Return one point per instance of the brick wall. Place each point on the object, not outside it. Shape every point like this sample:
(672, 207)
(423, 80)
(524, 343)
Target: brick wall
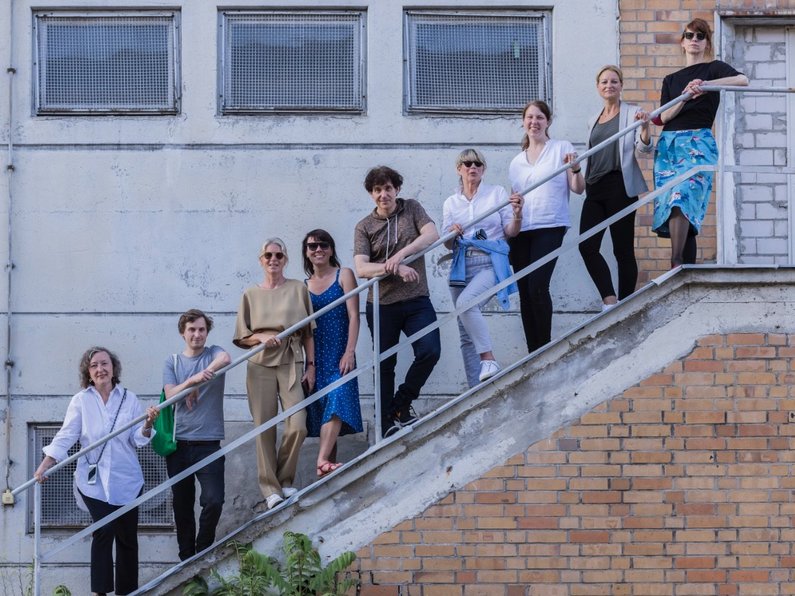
(648, 36)
(682, 485)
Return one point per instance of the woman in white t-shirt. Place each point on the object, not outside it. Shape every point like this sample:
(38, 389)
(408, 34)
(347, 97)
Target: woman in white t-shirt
(545, 216)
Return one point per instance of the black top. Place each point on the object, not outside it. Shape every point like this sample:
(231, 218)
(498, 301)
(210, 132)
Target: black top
(699, 112)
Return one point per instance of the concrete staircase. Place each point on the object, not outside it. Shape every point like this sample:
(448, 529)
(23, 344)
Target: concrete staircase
(526, 403)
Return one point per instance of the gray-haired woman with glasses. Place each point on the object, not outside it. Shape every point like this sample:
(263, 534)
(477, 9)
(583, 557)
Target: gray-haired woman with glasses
(480, 256)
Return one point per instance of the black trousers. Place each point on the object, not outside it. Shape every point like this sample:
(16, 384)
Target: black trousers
(604, 198)
(211, 499)
(534, 298)
(124, 530)
(408, 316)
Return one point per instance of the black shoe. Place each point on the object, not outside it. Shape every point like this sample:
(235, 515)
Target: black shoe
(405, 416)
(392, 430)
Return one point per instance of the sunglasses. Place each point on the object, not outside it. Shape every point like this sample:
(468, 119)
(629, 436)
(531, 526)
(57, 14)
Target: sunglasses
(469, 164)
(316, 245)
(269, 255)
(698, 35)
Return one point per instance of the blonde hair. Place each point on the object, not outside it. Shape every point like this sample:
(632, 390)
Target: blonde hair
(278, 242)
(612, 68)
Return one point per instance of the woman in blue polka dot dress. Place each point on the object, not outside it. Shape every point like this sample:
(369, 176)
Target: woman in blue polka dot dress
(337, 413)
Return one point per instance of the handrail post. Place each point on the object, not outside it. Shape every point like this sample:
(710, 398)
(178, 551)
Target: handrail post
(377, 359)
(37, 539)
(720, 204)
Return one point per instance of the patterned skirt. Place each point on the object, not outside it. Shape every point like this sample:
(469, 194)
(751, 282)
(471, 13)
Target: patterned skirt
(677, 152)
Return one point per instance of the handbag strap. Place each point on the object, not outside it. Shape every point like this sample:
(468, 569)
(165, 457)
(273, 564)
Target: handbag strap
(115, 418)
(174, 407)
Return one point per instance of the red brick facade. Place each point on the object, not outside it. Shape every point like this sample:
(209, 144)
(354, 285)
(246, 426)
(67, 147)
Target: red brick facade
(682, 485)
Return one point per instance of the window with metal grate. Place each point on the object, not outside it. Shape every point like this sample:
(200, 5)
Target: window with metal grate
(59, 509)
(106, 63)
(476, 62)
(292, 61)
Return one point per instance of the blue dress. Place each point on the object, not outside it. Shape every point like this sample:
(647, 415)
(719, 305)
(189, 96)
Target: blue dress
(331, 337)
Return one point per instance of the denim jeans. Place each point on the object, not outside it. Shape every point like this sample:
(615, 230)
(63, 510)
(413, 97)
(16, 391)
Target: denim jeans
(211, 480)
(408, 316)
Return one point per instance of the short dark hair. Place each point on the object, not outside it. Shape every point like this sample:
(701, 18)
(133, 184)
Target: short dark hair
(323, 236)
(85, 360)
(191, 315)
(380, 175)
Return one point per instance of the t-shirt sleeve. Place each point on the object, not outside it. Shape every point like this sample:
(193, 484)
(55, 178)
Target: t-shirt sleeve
(169, 374)
(215, 351)
(242, 322)
(361, 244)
(421, 217)
(719, 70)
(665, 94)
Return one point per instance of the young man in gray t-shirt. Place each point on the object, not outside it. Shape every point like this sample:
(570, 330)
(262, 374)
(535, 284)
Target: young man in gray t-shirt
(199, 421)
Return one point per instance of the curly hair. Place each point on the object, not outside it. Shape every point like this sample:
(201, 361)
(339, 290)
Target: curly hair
(85, 361)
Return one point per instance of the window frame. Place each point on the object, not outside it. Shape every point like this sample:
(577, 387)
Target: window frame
(224, 59)
(545, 59)
(175, 58)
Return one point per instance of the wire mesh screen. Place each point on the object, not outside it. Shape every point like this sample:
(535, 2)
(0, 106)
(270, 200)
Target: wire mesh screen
(59, 509)
(293, 61)
(478, 63)
(106, 63)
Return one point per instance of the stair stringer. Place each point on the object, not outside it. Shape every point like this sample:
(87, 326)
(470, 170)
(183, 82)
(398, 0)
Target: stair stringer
(472, 434)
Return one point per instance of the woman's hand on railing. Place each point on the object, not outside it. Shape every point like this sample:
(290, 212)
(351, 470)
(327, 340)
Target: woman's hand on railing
(270, 340)
(47, 463)
(151, 415)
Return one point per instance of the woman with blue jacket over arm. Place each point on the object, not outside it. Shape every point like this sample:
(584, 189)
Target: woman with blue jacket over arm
(613, 181)
(480, 257)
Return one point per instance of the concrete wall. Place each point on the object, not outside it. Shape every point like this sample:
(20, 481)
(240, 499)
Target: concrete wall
(121, 223)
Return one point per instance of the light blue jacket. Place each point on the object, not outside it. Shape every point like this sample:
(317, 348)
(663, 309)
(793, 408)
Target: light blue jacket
(498, 251)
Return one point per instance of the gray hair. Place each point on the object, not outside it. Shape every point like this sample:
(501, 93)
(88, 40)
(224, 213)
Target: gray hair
(278, 242)
(470, 155)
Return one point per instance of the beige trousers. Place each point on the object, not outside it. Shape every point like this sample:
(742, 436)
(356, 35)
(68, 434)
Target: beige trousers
(264, 384)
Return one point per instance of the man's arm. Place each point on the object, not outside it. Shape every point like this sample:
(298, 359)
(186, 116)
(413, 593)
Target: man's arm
(220, 361)
(428, 235)
(368, 270)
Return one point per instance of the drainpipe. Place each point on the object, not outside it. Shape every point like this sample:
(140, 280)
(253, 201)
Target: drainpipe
(11, 71)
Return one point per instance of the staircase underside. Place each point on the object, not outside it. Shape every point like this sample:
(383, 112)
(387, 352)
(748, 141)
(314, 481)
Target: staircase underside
(480, 430)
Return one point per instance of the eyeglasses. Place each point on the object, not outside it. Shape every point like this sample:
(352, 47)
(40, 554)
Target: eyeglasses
(700, 36)
(469, 164)
(316, 245)
(269, 255)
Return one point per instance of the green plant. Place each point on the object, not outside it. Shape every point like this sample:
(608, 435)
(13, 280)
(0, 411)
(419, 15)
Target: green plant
(302, 574)
(61, 590)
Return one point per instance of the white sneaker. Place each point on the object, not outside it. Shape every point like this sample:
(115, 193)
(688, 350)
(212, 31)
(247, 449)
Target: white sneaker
(273, 500)
(488, 368)
(289, 491)
(606, 307)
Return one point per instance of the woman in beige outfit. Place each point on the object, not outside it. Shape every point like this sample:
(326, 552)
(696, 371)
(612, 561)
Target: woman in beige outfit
(266, 310)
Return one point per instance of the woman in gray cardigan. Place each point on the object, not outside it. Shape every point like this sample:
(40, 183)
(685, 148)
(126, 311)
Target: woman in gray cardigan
(613, 180)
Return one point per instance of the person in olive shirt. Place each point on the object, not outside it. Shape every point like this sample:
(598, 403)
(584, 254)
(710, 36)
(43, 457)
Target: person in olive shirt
(397, 228)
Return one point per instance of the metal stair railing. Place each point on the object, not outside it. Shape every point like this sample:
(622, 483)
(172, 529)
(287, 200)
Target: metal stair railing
(40, 558)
